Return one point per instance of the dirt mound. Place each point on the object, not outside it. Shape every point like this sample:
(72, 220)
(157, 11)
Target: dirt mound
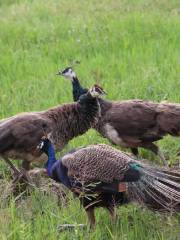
(39, 182)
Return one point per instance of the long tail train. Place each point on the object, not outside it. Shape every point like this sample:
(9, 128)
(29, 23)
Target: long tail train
(158, 188)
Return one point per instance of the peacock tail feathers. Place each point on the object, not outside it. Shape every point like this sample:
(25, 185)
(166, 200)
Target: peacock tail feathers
(157, 188)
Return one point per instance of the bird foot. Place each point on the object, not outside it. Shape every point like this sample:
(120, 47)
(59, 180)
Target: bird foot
(20, 182)
(21, 176)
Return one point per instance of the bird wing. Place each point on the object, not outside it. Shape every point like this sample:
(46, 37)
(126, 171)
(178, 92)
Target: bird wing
(97, 163)
(133, 118)
(22, 132)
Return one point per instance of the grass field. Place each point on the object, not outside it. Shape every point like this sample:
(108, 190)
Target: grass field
(130, 47)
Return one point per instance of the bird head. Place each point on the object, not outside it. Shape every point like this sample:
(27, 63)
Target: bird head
(67, 73)
(96, 91)
(44, 145)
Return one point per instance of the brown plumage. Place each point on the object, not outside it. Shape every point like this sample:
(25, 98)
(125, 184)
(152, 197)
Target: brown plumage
(138, 123)
(109, 177)
(102, 176)
(100, 162)
(133, 123)
(20, 134)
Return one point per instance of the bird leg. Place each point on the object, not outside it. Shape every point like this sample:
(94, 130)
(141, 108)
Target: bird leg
(17, 173)
(15, 170)
(91, 217)
(155, 149)
(112, 212)
(26, 165)
(162, 157)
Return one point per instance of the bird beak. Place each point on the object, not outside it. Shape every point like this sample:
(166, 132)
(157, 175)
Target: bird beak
(59, 73)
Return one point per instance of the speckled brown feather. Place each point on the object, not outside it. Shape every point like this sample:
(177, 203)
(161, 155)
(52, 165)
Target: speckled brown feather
(156, 187)
(97, 163)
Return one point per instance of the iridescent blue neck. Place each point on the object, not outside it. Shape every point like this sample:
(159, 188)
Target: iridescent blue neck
(78, 90)
(51, 159)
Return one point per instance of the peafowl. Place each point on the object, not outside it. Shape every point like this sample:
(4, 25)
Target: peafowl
(133, 123)
(102, 176)
(78, 90)
(20, 134)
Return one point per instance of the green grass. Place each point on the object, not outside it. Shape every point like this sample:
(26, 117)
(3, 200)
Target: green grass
(131, 48)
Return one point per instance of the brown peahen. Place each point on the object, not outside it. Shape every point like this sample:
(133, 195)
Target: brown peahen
(132, 123)
(20, 134)
(102, 176)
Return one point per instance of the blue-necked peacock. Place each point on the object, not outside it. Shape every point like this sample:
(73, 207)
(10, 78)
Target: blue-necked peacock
(102, 176)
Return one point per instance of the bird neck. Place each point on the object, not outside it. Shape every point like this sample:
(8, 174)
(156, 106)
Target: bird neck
(89, 103)
(51, 159)
(72, 120)
(76, 83)
(78, 90)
